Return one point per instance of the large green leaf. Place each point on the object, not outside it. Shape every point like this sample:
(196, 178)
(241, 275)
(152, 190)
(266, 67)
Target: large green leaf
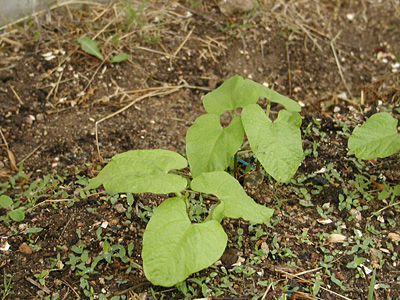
(90, 46)
(238, 92)
(174, 248)
(142, 171)
(277, 145)
(232, 93)
(286, 102)
(376, 138)
(209, 147)
(236, 203)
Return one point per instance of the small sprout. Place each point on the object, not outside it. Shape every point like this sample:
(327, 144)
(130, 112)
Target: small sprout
(90, 47)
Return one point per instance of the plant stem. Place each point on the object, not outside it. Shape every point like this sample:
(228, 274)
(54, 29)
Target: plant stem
(235, 163)
(268, 109)
(258, 166)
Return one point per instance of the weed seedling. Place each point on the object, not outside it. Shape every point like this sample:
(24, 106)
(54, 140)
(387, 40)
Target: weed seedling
(7, 285)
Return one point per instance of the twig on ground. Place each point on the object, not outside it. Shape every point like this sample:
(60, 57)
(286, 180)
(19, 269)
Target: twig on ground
(347, 100)
(57, 85)
(266, 292)
(104, 28)
(386, 207)
(10, 155)
(332, 43)
(82, 93)
(155, 51)
(38, 285)
(72, 289)
(11, 42)
(30, 154)
(336, 294)
(16, 95)
(183, 42)
(217, 42)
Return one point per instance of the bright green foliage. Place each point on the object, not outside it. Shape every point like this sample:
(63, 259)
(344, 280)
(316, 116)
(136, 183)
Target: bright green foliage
(142, 171)
(372, 286)
(174, 248)
(237, 92)
(90, 46)
(277, 145)
(210, 147)
(5, 201)
(15, 214)
(376, 138)
(233, 93)
(119, 58)
(237, 204)
(286, 102)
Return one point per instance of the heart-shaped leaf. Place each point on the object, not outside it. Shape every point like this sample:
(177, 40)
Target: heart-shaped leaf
(209, 147)
(237, 92)
(286, 102)
(142, 171)
(90, 47)
(233, 93)
(237, 204)
(276, 145)
(174, 248)
(376, 138)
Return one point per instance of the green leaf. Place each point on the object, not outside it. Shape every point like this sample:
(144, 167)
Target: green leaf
(286, 102)
(233, 93)
(142, 171)
(371, 286)
(17, 214)
(174, 248)
(277, 145)
(5, 201)
(119, 58)
(90, 46)
(376, 138)
(237, 204)
(217, 212)
(238, 92)
(209, 147)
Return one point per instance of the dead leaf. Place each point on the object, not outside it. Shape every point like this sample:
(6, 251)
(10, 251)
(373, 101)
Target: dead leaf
(24, 248)
(393, 236)
(11, 159)
(4, 173)
(377, 185)
(324, 221)
(337, 238)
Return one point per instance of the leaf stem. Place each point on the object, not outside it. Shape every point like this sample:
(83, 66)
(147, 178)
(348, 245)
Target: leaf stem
(235, 163)
(268, 108)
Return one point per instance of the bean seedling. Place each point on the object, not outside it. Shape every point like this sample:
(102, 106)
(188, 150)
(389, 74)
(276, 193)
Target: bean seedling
(173, 247)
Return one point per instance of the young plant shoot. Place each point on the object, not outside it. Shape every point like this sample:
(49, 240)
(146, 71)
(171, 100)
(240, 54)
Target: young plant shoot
(173, 246)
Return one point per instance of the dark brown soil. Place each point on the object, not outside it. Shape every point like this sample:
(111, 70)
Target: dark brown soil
(337, 58)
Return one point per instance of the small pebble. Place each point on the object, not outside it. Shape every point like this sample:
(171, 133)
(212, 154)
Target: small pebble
(119, 208)
(24, 248)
